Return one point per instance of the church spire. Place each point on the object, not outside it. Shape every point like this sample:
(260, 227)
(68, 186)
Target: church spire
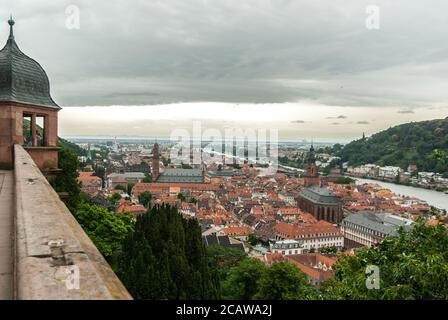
(11, 23)
(311, 155)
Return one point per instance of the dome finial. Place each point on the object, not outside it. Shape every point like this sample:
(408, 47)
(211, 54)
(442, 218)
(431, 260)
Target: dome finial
(11, 23)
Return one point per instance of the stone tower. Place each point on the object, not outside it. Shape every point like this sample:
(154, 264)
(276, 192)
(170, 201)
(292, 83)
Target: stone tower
(311, 177)
(25, 103)
(155, 162)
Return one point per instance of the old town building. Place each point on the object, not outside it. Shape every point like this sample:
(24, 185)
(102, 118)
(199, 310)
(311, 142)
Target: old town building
(90, 184)
(155, 162)
(322, 203)
(369, 228)
(311, 176)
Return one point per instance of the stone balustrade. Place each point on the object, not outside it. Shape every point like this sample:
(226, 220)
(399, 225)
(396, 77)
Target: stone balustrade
(54, 258)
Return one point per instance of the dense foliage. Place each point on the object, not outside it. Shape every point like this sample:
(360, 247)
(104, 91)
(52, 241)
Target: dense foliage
(410, 143)
(165, 258)
(244, 278)
(67, 180)
(224, 258)
(344, 180)
(145, 198)
(71, 146)
(242, 281)
(106, 230)
(252, 279)
(413, 265)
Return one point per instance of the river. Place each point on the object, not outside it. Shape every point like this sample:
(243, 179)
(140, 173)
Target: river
(434, 198)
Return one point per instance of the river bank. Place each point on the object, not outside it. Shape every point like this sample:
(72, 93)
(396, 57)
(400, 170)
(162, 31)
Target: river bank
(434, 198)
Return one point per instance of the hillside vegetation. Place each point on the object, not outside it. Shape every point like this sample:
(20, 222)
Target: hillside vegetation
(61, 142)
(410, 143)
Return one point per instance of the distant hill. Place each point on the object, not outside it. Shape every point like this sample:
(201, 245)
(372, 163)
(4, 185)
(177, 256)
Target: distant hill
(402, 145)
(61, 142)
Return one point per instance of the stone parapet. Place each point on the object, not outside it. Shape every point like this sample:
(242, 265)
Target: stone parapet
(54, 258)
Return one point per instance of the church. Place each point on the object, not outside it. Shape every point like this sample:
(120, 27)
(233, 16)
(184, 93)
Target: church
(173, 175)
(320, 202)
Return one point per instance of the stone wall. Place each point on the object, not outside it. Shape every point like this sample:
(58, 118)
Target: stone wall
(54, 258)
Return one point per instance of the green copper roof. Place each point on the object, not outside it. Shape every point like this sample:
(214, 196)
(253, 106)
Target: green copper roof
(22, 79)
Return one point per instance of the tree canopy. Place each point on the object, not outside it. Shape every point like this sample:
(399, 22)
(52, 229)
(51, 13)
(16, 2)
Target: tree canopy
(165, 258)
(106, 230)
(67, 181)
(145, 198)
(413, 265)
(410, 143)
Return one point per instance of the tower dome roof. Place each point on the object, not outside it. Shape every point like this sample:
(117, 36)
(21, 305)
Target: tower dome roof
(22, 79)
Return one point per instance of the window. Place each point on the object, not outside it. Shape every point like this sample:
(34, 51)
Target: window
(26, 126)
(33, 130)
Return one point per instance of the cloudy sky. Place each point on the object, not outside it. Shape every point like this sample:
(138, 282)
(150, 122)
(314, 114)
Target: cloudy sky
(305, 67)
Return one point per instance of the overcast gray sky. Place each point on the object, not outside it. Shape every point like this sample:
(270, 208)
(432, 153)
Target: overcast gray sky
(290, 53)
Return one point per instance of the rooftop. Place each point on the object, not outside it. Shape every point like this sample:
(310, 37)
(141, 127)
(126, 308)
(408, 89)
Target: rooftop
(319, 195)
(127, 175)
(181, 175)
(384, 223)
(22, 79)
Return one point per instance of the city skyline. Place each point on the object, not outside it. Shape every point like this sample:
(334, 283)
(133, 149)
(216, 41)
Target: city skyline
(323, 123)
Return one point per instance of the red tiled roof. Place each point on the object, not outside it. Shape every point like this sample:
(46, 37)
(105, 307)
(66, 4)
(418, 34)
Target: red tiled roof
(238, 231)
(159, 187)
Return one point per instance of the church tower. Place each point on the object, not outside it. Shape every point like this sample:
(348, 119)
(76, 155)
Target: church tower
(311, 177)
(155, 162)
(28, 114)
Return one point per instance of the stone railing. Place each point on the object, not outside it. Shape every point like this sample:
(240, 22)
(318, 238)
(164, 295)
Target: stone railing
(54, 258)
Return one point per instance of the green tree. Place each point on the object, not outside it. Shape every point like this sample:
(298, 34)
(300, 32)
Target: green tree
(165, 258)
(106, 230)
(67, 180)
(331, 251)
(284, 281)
(439, 156)
(129, 188)
(145, 198)
(344, 180)
(113, 199)
(242, 280)
(121, 187)
(100, 172)
(147, 178)
(413, 265)
(253, 239)
(421, 143)
(186, 166)
(224, 258)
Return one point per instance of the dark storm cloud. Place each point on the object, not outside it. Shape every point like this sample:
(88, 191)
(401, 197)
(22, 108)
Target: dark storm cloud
(251, 51)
